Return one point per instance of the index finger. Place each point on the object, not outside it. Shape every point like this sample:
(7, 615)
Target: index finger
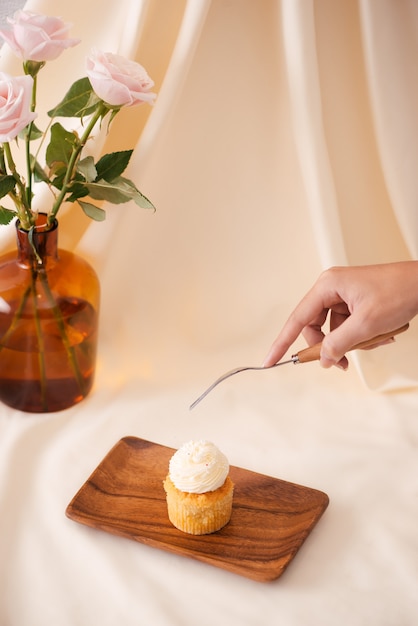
(311, 311)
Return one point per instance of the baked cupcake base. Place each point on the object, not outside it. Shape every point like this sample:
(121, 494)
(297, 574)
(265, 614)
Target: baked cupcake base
(199, 513)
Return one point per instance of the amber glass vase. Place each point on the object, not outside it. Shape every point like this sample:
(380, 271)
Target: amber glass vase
(49, 307)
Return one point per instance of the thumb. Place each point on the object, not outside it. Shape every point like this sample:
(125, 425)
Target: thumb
(340, 340)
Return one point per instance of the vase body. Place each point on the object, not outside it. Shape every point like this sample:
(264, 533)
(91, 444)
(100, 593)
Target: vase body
(49, 309)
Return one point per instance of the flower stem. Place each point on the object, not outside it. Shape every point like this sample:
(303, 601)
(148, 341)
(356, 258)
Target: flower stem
(41, 343)
(23, 209)
(16, 319)
(27, 142)
(101, 111)
(72, 358)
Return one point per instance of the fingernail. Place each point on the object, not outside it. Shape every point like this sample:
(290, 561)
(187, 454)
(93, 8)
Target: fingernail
(344, 368)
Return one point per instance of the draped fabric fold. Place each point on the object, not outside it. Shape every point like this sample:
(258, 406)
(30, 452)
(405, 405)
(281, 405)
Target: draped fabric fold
(173, 65)
(352, 98)
(299, 36)
(353, 94)
(348, 97)
(390, 35)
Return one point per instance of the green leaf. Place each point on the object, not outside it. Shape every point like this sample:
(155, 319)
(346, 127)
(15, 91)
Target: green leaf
(136, 195)
(87, 168)
(60, 146)
(78, 190)
(103, 190)
(119, 191)
(143, 202)
(110, 166)
(31, 233)
(38, 171)
(6, 215)
(7, 184)
(93, 211)
(57, 175)
(80, 100)
(34, 133)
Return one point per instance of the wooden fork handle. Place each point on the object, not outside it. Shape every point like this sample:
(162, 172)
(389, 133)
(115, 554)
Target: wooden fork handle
(313, 352)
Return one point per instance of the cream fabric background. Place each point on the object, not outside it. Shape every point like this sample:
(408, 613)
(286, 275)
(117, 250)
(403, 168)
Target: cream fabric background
(283, 140)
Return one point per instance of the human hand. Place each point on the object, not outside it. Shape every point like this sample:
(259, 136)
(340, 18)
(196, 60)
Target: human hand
(361, 302)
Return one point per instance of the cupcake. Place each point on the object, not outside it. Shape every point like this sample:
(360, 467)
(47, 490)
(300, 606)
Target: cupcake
(198, 488)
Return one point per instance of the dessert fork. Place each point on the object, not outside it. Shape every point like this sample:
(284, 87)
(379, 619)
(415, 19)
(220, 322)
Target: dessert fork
(303, 356)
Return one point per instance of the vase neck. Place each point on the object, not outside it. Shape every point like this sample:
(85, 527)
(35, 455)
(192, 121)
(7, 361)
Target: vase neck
(40, 247)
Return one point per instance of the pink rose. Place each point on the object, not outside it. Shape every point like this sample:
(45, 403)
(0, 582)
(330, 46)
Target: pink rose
(119, 81)
(36, 37)
(15, 103)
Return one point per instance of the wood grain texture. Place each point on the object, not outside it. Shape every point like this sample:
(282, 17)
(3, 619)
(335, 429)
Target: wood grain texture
(270, 519)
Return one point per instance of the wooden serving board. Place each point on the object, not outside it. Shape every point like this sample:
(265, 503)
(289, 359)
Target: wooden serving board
(270, 519)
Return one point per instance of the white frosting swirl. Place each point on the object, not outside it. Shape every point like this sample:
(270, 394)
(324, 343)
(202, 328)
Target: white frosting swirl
(198, 467)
